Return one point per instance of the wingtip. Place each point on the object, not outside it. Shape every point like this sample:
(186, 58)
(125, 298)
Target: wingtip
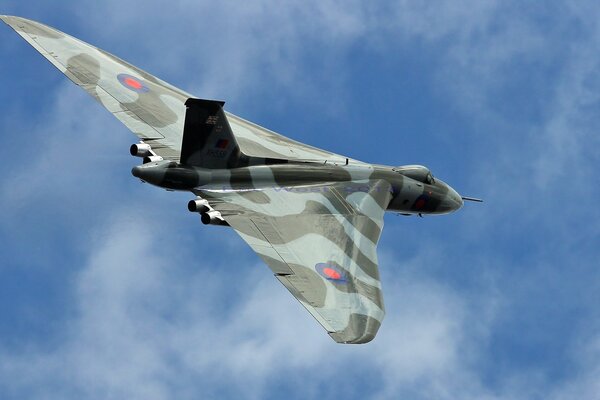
(361, 329)
(344, 339)
(7, 18)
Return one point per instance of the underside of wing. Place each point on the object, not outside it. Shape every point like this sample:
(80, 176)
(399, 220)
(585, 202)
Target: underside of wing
(150, 108)
(320, 242)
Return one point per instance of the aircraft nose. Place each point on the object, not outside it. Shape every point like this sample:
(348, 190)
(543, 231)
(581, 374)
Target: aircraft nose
(452, 201)
(455, 199)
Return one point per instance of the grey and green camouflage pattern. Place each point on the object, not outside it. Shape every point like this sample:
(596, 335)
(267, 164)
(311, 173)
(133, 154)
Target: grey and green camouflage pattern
(313, 216)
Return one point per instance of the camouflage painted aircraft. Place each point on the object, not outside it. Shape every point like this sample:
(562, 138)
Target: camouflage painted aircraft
(313, 216)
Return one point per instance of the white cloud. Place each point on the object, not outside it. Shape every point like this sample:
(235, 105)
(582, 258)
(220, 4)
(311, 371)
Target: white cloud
(570, 139)
(586, 385)
(147, 324)
(275, 52)
(71, 145)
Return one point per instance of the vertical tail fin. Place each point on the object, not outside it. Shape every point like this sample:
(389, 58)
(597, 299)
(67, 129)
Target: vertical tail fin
(208, 140)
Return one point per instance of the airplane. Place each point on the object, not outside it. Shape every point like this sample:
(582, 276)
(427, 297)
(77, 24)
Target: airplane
(314, 217)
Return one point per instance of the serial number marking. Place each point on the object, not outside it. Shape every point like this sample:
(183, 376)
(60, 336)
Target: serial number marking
(216, 153)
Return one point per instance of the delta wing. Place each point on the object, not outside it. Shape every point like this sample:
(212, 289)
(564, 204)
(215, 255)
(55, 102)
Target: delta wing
(151, 108)
(320, 241)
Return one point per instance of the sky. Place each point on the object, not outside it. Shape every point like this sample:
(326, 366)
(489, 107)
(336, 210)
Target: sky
(111, 289)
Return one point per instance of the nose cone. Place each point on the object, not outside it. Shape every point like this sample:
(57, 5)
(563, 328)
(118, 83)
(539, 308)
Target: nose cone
(452, 201)
(455, 199)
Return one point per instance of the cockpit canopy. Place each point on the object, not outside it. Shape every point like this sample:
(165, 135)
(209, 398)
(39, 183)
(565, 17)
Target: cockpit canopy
(416, 172)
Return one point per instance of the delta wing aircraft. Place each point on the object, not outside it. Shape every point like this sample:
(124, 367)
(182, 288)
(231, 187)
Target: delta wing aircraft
(313, 216)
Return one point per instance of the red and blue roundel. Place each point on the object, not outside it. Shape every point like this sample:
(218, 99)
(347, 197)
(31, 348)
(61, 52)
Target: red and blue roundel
(132, 83)
(332, 273)
(421, 202)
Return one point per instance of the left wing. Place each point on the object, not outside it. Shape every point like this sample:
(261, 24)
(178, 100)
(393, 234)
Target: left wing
(320, 241)
(151, 108)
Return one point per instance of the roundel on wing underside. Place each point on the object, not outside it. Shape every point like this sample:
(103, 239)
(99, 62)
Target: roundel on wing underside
(331, 272)
(132, 83)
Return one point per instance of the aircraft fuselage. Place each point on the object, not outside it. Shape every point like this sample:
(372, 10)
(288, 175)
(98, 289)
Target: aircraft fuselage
(410, 195)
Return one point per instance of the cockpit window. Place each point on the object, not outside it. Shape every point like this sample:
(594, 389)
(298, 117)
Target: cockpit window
(429, 179)
(416, 172)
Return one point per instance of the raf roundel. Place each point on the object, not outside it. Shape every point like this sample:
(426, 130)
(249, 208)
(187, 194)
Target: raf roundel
(421, 202)
(132, 83)
(332, 273)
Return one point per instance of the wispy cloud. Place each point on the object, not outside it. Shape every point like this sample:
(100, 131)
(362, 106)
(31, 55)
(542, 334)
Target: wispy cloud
(142, 331)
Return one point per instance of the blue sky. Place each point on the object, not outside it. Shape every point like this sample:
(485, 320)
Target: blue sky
(110, 288)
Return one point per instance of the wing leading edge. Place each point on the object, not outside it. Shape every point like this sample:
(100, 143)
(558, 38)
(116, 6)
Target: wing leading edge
(320, 242)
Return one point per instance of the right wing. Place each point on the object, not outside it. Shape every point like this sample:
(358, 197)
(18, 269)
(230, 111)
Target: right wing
(151, 108)
(321, 243)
